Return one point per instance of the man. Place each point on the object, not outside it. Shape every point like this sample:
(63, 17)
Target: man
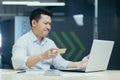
(34, 50)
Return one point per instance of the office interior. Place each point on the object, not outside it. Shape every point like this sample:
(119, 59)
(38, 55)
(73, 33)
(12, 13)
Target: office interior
(66, 32)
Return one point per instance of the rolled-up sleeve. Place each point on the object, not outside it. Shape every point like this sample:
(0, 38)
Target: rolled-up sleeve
(19, 56)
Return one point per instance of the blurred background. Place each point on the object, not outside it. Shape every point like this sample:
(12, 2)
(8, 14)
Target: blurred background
(75, 24)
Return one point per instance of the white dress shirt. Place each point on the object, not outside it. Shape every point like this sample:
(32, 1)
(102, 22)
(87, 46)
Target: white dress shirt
(28, 45)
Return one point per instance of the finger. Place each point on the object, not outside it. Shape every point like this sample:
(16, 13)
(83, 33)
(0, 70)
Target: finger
(48, 54)
(51, 55)
(53, 49)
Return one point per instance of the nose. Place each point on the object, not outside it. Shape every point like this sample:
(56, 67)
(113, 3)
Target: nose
(48, 26)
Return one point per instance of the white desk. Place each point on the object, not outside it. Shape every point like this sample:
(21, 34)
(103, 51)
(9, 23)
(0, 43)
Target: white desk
(6, 74)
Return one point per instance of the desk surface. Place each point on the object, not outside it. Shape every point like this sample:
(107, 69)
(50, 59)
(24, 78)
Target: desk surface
(6, 74)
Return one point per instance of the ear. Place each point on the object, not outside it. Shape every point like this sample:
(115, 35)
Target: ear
(33, 22)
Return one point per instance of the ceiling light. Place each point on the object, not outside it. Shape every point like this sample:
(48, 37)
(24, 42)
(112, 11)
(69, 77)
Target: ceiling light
(47, 4)
(33, 3)
(19, 2)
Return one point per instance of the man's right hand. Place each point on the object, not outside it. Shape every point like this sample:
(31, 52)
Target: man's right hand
(51, 53)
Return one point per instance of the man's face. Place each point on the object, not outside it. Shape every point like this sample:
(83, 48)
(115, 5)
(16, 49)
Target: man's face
(43, 26)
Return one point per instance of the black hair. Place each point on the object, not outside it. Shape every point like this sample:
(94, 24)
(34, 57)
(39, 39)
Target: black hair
(36, 14)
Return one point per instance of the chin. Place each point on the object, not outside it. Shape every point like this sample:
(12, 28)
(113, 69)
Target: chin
(45, 35)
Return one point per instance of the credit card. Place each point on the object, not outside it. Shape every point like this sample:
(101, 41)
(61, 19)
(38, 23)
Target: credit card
(61, 51)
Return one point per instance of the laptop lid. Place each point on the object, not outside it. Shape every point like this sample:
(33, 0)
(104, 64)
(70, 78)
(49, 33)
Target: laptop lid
(99, 55)
(98, 58)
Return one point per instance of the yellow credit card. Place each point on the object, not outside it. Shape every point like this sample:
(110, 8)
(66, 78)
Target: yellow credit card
(61, 51)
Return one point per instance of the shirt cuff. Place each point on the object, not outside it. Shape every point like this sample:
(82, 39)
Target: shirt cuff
(25, 61)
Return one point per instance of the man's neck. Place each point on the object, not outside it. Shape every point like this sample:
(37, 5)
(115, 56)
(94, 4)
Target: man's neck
(38, 36)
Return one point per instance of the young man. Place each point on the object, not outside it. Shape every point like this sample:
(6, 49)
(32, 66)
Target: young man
(34, 50)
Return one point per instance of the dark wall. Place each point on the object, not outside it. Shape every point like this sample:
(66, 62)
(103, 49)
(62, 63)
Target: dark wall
(108, 28)
(85, 7)
(114, 62)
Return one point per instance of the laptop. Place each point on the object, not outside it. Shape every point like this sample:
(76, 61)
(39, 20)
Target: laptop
(98, 58)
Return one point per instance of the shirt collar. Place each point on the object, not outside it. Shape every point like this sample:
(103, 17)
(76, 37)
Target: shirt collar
(34, 38)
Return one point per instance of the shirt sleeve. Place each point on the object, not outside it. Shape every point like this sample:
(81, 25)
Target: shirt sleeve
(19, 56)
(60, 62)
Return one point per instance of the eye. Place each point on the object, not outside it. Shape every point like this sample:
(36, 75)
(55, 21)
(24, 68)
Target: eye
(47, 24)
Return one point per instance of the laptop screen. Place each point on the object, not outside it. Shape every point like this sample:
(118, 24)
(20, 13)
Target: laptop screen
(99, 55)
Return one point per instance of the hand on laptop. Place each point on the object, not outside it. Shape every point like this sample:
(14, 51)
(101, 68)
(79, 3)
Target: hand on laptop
(82, 64)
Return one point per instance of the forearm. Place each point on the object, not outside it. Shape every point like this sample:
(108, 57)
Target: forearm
(73, 64)
(32, 60)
